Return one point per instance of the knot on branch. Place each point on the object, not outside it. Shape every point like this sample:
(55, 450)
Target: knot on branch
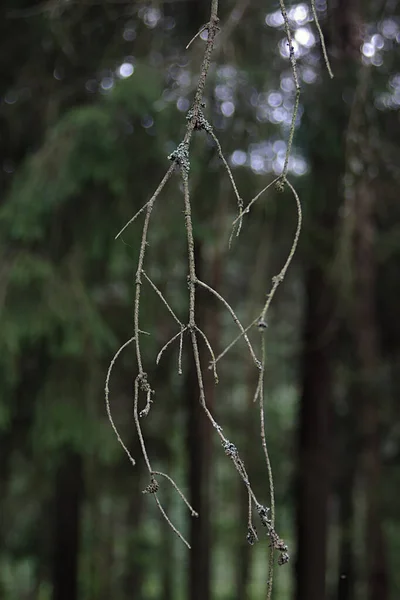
(152, 488)
(263, 513)
(276, 542)
(196, 116)
(230, 449)
(262, 324)
(280, 185)
(251, 536)
(283, 558)
(277, 279)
(181, 157)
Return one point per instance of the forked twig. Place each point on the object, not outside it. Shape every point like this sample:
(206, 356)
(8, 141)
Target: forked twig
(151, 201)
(235, 318)
(211, 351)
(159, 355)
(192, 511)
(163, 299)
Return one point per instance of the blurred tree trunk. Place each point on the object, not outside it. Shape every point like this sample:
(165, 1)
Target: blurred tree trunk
(167, 547)
(67, 507)
(328, 163)
(346, 488)
(314, 451)
(369, 407)
(200, 434)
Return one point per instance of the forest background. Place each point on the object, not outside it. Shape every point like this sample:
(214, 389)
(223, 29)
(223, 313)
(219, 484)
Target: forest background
(93, 99)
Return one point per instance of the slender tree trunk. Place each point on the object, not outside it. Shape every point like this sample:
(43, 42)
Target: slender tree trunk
(321, 314)
(346, 489)
(200, 432)
(167, 550)
(314, 451)
(368, 355)
(67, 506)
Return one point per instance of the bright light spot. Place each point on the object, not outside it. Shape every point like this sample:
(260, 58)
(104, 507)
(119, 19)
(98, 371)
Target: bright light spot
(274, 19)
(263, 113)
(299, 14)
(182, 104)
(377, 60)
(274, 99)
(238, 158)
(287, 84)
(125, 70)
(279, 146)
(378, 41)
(107, 83)
(368, 50)
(278, 115)
(309, 75)
(389, 28)
(227, 71)
(277, 164)
(227, 109)
(304, 37)
(297, 165)
(204, 35)
(183, 78)
(256, 162)
(152, 17)
(223, 92)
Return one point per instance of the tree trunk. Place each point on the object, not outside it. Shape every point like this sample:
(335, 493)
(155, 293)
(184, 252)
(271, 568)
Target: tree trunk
(200, 432)
(314, 442)
(368, 357)
(346, 488)
(67, 507)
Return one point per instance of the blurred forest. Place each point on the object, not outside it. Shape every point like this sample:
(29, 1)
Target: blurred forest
(93, 98)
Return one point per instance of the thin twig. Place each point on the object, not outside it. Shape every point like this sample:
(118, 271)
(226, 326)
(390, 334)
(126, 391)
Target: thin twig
(276, 280)
(166, 517)
(159, 293)
(151, 201)
(137, 423)
(256, 197)
(196, 35)
(322, 39)
(180, 350)
(211, 351)
(168, 343)
(107, 399)
(233, 182)
(268, 462)
(235, 318)
(192, 511)
(292, 58)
